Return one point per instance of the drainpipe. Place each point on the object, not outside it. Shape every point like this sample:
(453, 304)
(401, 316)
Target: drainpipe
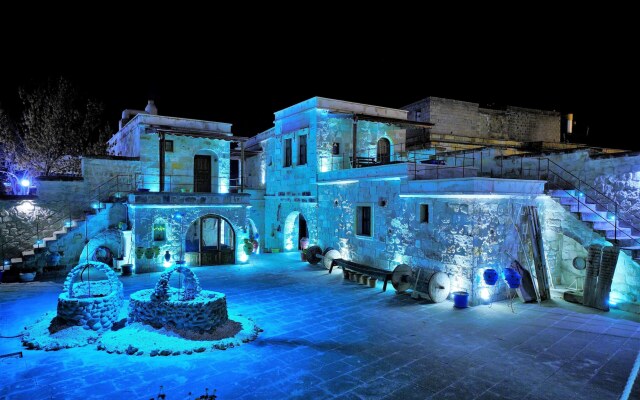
(162, 151)
(355, 138)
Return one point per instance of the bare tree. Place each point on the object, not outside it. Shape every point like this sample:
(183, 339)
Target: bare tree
(57, 126)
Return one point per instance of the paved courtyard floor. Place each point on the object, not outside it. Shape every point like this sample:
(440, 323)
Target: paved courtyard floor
(328, 338)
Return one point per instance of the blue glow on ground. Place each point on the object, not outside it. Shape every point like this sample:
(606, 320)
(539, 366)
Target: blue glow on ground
(318, 343)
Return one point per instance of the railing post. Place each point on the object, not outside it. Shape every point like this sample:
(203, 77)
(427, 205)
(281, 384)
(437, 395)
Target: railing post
(521, 170)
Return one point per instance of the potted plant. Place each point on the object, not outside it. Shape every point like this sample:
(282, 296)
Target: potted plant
(248, 246)
(27, 274)
(127, 269)
(140, 252)
(149, 253)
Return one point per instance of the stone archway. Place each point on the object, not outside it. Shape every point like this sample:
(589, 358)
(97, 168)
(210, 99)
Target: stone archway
(295, 227)
(111, 239)
(211, 239)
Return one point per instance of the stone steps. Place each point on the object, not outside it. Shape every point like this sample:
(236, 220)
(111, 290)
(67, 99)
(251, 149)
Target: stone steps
(601, 221)
(40, 247)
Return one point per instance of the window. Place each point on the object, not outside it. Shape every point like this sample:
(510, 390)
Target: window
(168, 146)
(335, 149)
(424, 213)
(363, 221)
(159, 232)
(287, 152)
(302, 150)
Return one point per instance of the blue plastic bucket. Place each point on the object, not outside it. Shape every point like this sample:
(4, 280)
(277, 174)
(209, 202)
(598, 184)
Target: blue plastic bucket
(460, 299)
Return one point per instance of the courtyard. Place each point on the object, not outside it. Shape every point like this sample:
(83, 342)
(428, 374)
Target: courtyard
(325, 337)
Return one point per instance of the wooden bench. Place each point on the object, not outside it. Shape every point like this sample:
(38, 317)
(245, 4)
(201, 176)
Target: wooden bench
(380, 274)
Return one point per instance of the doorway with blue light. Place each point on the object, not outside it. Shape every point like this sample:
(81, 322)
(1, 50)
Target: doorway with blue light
(211, 240)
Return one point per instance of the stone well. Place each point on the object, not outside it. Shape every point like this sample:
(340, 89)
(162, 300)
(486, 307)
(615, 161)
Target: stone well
(91, 304)
(188, 307)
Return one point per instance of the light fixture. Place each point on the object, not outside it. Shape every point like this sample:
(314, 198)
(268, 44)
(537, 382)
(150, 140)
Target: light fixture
(25, 183)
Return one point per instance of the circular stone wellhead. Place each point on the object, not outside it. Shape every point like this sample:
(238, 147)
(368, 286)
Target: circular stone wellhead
(188, 307)
(91, 304)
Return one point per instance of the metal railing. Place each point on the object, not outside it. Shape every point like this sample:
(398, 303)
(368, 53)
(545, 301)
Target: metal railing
(425, 163)
(182, 183)
(588, 198)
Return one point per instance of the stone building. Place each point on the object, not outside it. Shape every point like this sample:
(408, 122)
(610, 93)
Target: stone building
(435, 186)
(165, 190)
(440, 185)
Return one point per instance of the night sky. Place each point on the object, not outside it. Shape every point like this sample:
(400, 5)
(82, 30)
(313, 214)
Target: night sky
(244, 83)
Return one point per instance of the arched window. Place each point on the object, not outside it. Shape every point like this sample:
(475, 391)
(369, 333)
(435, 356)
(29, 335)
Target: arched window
(383, 153)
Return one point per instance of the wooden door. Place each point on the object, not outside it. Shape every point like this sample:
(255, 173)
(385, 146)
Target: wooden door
(383, 153)
(202, 174)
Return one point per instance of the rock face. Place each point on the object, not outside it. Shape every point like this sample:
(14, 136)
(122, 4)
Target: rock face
(188, 307)
(92, 304)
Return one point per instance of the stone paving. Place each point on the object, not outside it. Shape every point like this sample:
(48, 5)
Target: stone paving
(328, 338)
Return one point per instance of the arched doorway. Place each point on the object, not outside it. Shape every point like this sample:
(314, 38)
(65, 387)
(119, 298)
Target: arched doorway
(205, 172)
(383, 151)
(295, 228)
(211, 240)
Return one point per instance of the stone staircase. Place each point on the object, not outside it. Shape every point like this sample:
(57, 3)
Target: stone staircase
(71, 233)
(55, 233)
(602, 221)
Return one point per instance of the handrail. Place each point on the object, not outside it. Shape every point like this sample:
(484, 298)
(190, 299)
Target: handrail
(579, 180)
(588, 198)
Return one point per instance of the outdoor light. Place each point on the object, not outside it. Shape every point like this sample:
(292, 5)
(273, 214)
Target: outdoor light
(25, 183)
(484, 294)
(167, 259)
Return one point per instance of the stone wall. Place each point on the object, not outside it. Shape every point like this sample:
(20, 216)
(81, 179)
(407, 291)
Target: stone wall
(179, 163)
(126, 142)
(105, 176)
(255, 171)
(18, 225)
(463, 235)
(279, 233)
(144, 216)
(340, 130)
(565, 237)
(257, 213)
(469, 119)
(617, 177)
(59, 204)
